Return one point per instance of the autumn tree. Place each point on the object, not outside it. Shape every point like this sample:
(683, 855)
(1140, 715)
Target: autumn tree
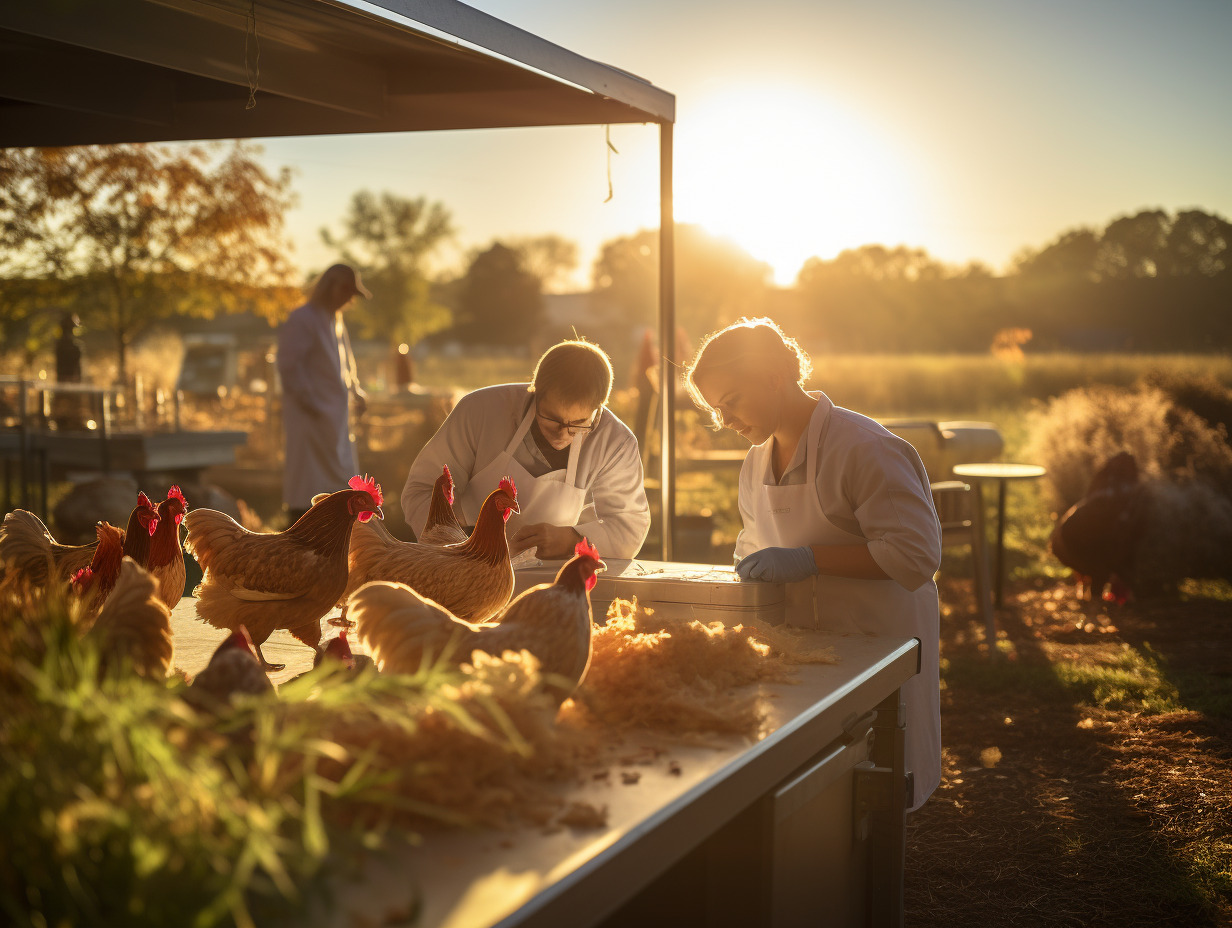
(716, 281)
(130, 234)
(551, 258)
(390, 240)
(500, 302)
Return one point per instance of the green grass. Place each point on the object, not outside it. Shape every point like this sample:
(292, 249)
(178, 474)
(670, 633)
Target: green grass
(1133, 681)
(123, 805)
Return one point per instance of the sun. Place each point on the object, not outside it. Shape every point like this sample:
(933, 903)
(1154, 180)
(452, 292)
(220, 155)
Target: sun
(789, 175)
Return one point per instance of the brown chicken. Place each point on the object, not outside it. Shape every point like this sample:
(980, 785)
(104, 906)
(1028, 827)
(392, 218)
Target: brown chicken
(1098, 536)
(472, 579)
(552, 621)
(284, 580)
(166, 561)
(134, 624)
(233, 670)
(93, 584)
(442, 526)
(30, 558)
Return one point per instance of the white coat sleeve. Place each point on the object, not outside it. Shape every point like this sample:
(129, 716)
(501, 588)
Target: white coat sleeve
(888, 490)
(454, 444)
(744, 540)
(622, 514)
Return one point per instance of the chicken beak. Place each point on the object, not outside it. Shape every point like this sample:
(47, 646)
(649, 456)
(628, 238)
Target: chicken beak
(600, 566)
(380, 515)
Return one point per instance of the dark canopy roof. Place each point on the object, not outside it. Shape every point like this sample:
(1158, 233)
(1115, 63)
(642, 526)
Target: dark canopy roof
(103, 71)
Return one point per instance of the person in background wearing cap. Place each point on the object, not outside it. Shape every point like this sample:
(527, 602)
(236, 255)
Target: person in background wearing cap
(319, 382)
(70, 410)
(68, 350)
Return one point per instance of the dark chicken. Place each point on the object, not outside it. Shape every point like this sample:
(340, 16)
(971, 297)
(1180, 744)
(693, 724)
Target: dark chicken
(233, 670)
(166, 561)
(284, 580)
(1098, 536)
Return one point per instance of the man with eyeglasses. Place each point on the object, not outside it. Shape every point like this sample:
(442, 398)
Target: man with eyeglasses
(576, 465)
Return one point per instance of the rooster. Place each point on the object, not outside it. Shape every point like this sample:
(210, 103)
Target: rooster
(1098, 536)
(472, 579)
(234, 669)
(442, 527)
(284, 580)
(166, 560)
(134, 623)
(552, 621)
(31, 559)
(93, 583)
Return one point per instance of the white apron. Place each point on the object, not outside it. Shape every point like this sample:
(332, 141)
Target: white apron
(554, 498)
(791, 516)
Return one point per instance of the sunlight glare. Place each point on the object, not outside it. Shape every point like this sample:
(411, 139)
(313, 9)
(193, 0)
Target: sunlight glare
(788, 175)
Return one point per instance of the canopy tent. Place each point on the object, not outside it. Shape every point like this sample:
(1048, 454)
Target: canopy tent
(76, 72)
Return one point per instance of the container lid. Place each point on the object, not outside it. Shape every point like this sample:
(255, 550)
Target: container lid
(666, 582)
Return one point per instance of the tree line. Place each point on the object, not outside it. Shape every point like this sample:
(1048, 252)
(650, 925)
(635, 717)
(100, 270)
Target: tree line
(129, 235)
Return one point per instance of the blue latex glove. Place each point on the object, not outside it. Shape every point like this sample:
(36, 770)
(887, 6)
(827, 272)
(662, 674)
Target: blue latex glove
(778, 565)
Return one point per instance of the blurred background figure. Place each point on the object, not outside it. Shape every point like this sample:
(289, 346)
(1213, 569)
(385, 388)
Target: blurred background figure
(69, 410)
(319, 385)
(404, 368)
(68, 350)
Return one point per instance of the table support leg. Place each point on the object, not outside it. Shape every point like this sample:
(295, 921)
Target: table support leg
(1000, 541)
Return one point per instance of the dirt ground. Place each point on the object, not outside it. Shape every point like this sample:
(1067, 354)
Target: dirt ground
(1055, 811)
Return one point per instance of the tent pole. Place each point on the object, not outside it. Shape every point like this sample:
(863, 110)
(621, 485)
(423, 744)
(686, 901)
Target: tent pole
(668, 365)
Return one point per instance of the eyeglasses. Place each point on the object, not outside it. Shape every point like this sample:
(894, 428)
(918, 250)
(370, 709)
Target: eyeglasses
(569, 427)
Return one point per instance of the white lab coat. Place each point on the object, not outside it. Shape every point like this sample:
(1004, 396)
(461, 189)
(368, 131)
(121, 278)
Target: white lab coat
(317, 370)
(861, 485)
(606, 466)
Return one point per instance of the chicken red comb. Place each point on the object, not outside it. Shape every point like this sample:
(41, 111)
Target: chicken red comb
(507, 485)
(80, 578)
(585, 549)
(368, 485)
(448, 484)
(144, 501)
(176, 493)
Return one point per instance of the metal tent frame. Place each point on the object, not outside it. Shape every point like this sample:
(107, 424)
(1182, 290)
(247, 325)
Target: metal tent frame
(76, 72)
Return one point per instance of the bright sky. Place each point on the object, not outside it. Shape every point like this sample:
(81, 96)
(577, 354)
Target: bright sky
(967, 127)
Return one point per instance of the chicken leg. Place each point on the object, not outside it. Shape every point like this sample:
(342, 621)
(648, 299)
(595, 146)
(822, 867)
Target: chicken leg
(266, 665)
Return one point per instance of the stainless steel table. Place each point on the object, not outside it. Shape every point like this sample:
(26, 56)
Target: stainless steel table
(804, 825)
